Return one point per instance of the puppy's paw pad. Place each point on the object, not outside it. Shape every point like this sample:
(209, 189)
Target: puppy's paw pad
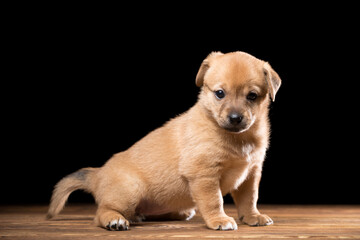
(257, 220)
(222, 223)
(118, 225)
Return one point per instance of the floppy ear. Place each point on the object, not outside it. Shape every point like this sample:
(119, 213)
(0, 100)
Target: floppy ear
(205, 65)
(201, 73)
(273, 80)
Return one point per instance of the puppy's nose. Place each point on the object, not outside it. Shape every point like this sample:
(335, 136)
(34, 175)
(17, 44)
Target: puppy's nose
(235, 118)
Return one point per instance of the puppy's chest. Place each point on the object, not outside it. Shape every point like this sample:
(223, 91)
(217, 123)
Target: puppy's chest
(244, 152)
(233, 177)
(237, 167)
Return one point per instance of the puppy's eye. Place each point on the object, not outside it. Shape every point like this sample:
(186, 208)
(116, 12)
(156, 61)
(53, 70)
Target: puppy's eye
(251, 96)
(220, 94)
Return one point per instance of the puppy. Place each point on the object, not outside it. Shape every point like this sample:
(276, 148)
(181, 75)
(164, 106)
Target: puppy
(216, 147)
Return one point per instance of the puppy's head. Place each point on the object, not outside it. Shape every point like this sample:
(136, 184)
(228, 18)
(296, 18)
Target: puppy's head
(236, 88)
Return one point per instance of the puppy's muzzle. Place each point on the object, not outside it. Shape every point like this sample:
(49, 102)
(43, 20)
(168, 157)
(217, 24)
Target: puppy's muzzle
(234, 122)
(235, 119)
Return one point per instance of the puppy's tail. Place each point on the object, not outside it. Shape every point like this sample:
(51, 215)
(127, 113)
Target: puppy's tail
(75, 181)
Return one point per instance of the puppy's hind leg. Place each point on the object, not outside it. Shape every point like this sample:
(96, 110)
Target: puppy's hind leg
(118, 203)
(114, 214)
(111, 219)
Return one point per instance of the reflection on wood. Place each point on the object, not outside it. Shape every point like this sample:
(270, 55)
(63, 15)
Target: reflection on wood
(75, 222)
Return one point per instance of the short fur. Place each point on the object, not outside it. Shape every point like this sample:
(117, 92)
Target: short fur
(195, 158)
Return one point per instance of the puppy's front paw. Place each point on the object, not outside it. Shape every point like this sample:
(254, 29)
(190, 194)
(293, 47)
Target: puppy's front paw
(222, 223)
(257, 220)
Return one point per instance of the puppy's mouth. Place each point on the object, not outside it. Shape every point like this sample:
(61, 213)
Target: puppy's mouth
(242, 127)
(233, 129)
(236, 129)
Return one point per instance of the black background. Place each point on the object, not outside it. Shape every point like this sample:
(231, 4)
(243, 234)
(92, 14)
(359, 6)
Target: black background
(79, 88)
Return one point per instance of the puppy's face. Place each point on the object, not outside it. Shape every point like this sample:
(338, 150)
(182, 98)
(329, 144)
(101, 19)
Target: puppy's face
(236, 88)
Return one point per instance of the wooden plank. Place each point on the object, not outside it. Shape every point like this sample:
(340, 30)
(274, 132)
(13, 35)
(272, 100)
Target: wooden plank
(75, 222)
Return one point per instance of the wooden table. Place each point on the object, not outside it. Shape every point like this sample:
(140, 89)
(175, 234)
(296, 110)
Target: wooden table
(291, 222)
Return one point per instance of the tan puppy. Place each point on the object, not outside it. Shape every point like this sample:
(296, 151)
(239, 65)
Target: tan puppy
(216, 147)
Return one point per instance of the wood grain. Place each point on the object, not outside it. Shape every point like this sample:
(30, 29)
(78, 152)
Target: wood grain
(75, 222)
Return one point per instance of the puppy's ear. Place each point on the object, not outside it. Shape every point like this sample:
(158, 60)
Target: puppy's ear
(205, 65)
(273, 80)
(201, 73)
